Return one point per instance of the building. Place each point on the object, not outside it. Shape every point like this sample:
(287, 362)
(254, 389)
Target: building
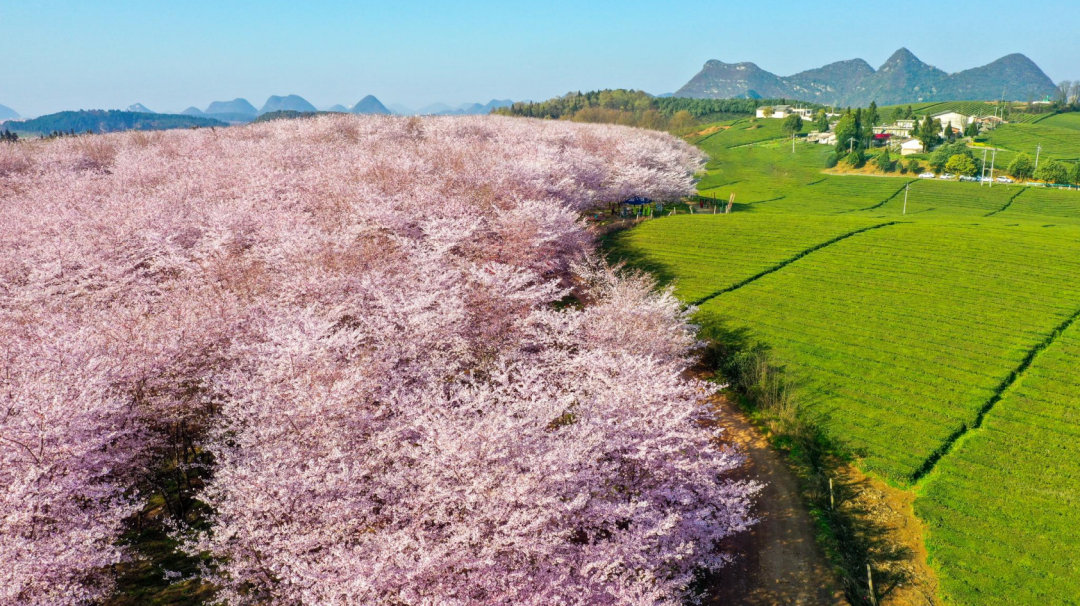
(912, 146)
(826, 138)
(779, 111)
(954, 120)
(902, 129)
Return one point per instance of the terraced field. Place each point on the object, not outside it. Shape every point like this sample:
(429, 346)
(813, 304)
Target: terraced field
(1058, 143)
(1070, 121)
(752, 244)
(1002, 507)
(936, 343)
(1044, 204)
(900, 335)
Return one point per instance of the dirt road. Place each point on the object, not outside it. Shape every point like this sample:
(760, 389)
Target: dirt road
(779, 561)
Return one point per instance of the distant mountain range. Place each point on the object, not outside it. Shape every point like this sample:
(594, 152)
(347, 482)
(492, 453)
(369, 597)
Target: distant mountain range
(139, 108)
(6, 113)
(903, 78)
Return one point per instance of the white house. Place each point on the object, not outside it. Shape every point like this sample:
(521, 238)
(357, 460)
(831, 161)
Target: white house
(826, 138)
(902, 128)
(779, 111)
(952, 119)
(913, 146)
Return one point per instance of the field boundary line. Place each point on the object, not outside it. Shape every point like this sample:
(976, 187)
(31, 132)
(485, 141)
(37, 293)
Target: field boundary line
(886, 200)
(1006, 384)
(763, 201)
(1009, 203)
(787, 262)
(756, 142)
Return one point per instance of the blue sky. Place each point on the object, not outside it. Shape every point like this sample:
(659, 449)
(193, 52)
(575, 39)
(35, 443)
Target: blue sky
(77, 54)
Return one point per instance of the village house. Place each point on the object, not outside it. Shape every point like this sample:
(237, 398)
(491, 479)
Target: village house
(914, 146)
(902, 129)
(779, 111)
(826, 138)
(955, 120)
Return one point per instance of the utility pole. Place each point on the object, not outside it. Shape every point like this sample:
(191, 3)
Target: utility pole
(992, 160)
(905, 212)
(1038, 148)
(851, 145)
(792, 142)
(982, 176)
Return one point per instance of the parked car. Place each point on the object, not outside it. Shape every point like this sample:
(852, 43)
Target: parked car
(946, 176)
(967, 178)
(1005, 180)
(926, 176)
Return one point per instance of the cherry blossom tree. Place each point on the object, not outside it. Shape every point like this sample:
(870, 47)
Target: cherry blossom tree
(354, 316)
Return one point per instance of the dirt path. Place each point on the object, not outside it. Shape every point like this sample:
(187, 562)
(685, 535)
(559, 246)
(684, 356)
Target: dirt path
(779, 562)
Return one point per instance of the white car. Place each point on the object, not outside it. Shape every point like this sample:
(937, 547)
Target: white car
(946, 176)
(1004, 180)
(926, 176)
(967, 178)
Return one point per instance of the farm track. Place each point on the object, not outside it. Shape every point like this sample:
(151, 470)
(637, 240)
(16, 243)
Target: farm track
(779, 561)
(787, 262)
(999, 393)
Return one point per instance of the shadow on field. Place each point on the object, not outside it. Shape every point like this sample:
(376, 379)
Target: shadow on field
(619, 249)
(858, 521)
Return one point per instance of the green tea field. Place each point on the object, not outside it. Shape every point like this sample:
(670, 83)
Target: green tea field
(937, 341)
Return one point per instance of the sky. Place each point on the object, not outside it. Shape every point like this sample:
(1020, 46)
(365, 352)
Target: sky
(107, 54)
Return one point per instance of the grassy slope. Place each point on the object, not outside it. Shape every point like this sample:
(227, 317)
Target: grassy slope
(902, 335)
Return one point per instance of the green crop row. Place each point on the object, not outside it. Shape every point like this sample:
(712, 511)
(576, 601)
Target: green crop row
(1002, 509)
(901, 334)
(1058, 143)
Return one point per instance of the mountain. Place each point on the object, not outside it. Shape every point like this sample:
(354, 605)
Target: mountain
(369, 105)
(6, 113)
(290, 103)
(139, 108)
(339, 108)
(192, 111)
(236, 106)
(401, 110)
(903, 78)
(108, 121)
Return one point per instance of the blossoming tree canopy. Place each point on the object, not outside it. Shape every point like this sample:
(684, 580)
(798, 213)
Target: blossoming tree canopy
(354, 313)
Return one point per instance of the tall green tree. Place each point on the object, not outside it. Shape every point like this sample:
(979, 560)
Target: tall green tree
(1021, 167)
(1074, 174)
(846, 130)
(821, 121)
(792, 124)
(871, 118)
(927, 133)
(1052, 171)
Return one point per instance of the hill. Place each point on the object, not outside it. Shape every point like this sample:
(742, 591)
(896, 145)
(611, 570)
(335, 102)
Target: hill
(107, 121)
(6, 113)
(903, 78)
(339, 108)
(294, 103)
(369, 105)
(236, 106)
(192, 111)
(140, 108)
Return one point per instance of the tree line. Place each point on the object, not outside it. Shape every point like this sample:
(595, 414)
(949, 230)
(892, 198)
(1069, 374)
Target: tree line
(638, 108)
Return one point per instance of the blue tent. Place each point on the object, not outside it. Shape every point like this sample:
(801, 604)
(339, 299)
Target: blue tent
(637, 201)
